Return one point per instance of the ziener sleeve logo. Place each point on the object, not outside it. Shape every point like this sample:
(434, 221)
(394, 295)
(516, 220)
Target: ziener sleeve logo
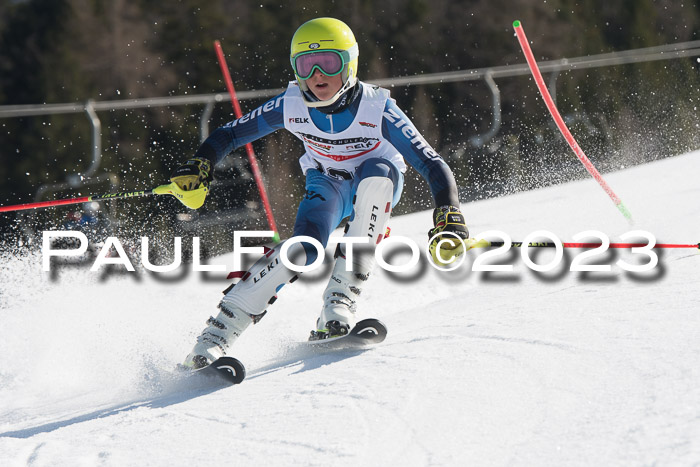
(411, 134)
(269, 105)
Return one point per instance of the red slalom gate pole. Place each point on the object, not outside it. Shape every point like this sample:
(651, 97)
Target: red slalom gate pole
(248, 147)
(522, 39)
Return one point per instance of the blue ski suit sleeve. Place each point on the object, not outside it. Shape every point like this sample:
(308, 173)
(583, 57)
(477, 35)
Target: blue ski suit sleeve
(398, 129)
(262, 121)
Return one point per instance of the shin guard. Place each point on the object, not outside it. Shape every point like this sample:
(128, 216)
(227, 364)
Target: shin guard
(372, 209)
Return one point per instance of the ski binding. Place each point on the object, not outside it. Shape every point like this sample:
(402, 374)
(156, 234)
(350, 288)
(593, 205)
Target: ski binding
(366, 332)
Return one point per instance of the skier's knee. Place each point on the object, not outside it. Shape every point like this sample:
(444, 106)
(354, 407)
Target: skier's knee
(378, 167)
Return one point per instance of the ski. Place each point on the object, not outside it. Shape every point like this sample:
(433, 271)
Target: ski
(366, 332)
(230, 370)
(226, 369)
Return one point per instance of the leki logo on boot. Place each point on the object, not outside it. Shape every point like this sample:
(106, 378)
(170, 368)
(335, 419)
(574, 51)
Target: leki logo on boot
(372, 220)
(263, 272)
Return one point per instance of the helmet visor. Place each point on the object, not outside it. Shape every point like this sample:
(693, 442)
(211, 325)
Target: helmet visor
(328, 62)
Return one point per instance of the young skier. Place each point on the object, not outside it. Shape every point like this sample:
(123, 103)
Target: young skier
(356, 140)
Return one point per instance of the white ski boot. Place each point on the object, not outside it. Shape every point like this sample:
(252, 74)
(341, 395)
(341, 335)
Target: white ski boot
(218, 336)
(340, 299)
(372, 209)
(244, 304)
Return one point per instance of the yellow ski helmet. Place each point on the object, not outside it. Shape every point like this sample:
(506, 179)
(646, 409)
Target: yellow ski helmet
(326, 44)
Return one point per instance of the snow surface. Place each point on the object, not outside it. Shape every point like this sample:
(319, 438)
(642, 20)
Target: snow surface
(518, 368)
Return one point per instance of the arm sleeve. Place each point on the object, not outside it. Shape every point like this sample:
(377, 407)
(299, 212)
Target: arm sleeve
(262, 121)
(398, 129)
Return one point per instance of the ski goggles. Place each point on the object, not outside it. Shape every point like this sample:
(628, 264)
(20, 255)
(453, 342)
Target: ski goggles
(328, 62)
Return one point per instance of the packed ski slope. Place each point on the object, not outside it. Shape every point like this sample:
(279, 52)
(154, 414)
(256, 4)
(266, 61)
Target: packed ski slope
(517, 368)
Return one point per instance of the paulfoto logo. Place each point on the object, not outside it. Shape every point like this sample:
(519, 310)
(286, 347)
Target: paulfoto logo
(444, 251)
(584, 261)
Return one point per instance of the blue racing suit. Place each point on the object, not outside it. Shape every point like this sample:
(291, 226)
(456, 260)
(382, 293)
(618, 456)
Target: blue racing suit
(328, 199)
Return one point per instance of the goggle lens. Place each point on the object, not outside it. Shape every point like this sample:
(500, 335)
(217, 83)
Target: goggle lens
(328, 62)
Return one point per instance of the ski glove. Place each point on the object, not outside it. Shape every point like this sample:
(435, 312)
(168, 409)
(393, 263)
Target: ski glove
(450, 221)
(193, 173)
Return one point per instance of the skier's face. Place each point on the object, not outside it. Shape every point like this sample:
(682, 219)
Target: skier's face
(324, 87)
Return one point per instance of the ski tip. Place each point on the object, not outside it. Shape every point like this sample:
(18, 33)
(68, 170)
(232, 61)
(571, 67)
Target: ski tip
(228, 368)
(516, 23)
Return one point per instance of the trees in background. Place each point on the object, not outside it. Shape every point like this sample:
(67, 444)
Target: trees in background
(55, 51)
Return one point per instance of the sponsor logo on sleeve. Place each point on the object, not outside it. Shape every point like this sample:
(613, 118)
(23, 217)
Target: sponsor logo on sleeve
(411, 134)
(266, 107)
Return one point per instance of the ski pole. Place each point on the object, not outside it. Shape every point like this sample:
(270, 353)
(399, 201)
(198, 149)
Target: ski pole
(483, 243)
(522, 39)
(248, 147)
(192, 199)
